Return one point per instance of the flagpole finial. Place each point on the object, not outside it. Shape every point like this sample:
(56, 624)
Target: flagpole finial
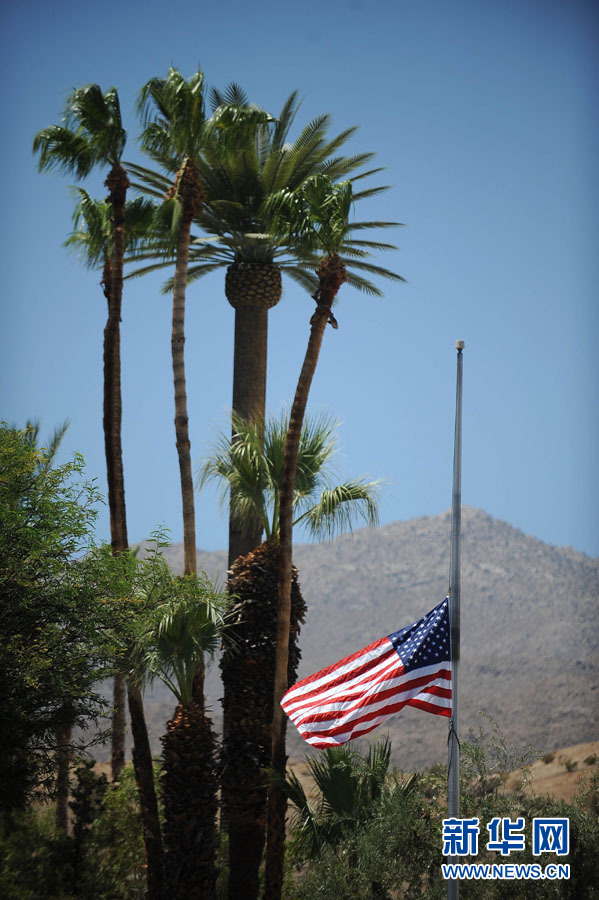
(459, 345)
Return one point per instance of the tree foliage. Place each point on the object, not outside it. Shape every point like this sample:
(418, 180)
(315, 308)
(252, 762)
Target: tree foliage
(54, 631)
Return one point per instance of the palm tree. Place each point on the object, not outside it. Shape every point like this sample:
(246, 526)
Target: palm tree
(247, 158)
(349, 785)
(318, 219)
(250, 466)
(92, 240)
(92, 134)
(179, 631)
(173, 114)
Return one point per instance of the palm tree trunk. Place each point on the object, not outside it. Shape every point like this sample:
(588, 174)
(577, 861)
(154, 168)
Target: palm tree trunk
(190, 778)
(190, 804)
(191, 195)
(247, 667)
(144, 775)
(249, 402)
(331, 275)
(117, 183)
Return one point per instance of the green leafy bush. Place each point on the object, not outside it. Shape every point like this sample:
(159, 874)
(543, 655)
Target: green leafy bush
(102, 859)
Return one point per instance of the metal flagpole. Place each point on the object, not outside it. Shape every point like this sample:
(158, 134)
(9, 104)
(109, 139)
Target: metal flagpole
(453, 771)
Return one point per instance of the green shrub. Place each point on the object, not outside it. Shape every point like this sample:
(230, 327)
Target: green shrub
(113, 858)
(35, 862)
(103, 858)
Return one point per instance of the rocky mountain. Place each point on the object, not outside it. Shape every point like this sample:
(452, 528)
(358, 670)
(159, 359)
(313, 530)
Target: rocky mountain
(529, 627)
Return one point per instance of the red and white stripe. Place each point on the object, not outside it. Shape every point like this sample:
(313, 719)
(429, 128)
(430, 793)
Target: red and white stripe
(353, 696)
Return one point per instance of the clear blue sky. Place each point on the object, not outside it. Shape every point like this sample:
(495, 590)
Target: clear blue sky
(485, 117)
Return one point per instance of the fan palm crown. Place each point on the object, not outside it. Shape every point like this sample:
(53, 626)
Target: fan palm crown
(251, 466)
(172, 110)
(178, 632)
(92, 133)
(349, 786)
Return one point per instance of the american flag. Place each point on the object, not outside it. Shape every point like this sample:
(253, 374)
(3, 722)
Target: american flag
(410, 667)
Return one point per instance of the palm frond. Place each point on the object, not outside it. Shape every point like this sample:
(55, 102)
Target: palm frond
(250, 467)
(92, 133)
(360, 226)
(48, 452)
(146, 270)
(91, 237)
(367, 174)
(373, 245)
(306, 831)
(99, 115)
(285, 121)
(193, 274)
(376, 270)
(233, 95)
(338, 508)
(173, 117)
(237, 464)
(149, 179)
(363, 284)
(62, 149)
(371, 192)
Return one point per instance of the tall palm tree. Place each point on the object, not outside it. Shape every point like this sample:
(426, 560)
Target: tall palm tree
(247, 157)
(179, 631)
(91, 135)
(251, 466)
(173, 114)
(318, 218)
(92, 240)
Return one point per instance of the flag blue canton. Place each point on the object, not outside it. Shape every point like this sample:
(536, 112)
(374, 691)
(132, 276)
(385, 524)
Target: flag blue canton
(427, 641)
